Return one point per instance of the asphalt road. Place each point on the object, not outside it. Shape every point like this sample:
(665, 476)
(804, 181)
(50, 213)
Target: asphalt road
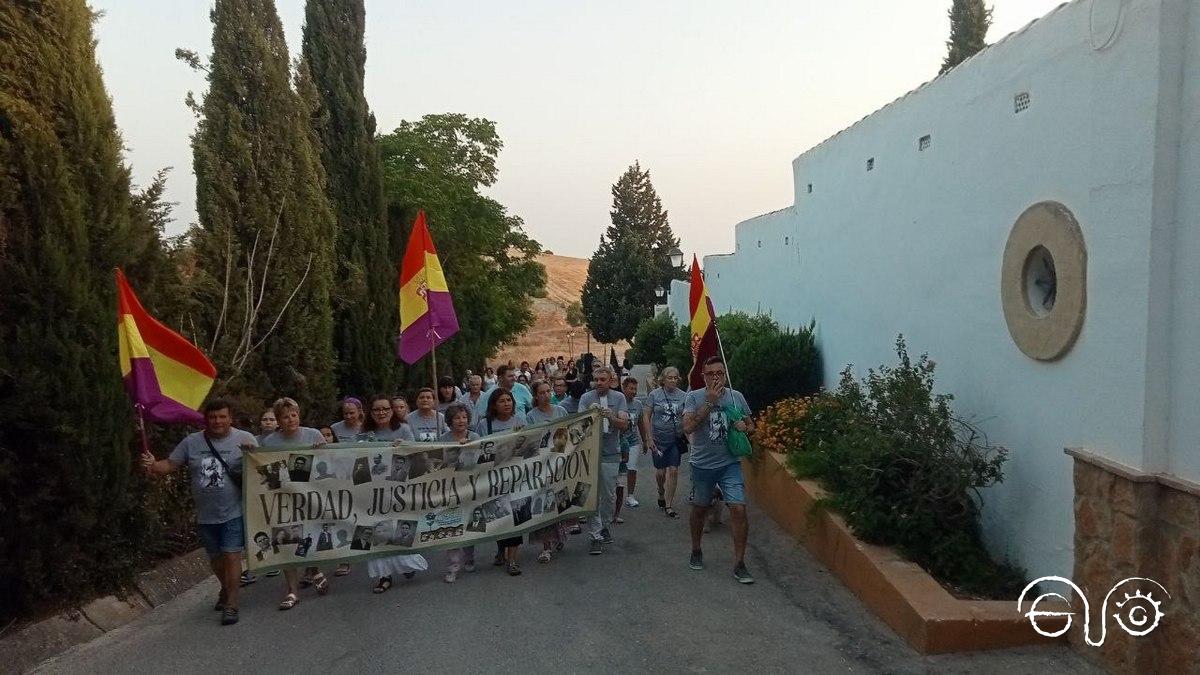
(637, 608)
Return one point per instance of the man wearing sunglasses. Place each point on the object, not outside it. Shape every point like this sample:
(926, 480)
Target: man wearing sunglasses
(713, 465)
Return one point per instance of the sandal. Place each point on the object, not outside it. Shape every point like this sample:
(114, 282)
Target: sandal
(559, 545)
(384, 584)
(671, 513)
(662, 503)
(544, 557)
(514, 570)
(342, 570)
(321, 583)
(289, 601)
(229, 616)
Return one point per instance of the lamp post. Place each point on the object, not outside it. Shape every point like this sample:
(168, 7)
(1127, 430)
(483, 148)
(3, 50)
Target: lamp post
(660, 292)
(676, 258)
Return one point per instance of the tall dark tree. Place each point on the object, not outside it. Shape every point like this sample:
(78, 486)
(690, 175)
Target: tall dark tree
(440, 163)
(264, 247)
(969, 24)
(69, 503)
(365, 313)
(633, 260)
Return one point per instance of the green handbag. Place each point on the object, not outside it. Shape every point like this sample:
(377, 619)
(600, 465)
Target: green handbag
(736, 441)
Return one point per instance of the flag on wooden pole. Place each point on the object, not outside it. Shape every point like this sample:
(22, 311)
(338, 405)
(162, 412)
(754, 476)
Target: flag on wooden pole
(703, 327)
(166, 376)
(427, 317)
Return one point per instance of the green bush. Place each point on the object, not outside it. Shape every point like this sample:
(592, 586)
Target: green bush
(771, 366)
(735, 329)
(651, 339)
(906, 472)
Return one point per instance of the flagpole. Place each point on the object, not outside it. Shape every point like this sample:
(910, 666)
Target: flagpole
(142, 429)
(433, 361)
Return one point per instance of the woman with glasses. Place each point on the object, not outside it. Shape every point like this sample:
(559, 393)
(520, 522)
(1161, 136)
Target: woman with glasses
(383, 426)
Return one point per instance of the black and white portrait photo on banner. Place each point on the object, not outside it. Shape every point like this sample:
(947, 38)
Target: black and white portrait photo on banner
(353, 501)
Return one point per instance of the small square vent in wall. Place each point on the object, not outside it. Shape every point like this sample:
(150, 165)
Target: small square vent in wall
(924, 142)
(871, 164)
(1021, 102)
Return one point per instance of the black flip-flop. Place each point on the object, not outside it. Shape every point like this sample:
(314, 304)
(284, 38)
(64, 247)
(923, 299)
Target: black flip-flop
(671, 513)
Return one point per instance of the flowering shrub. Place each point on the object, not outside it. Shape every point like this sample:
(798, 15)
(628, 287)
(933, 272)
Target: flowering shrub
(777, 428)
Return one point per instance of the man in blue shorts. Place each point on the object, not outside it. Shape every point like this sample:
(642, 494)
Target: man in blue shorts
(704, 417)
(214, 461)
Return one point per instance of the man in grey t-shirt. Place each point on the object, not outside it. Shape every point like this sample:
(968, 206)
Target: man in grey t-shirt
(214, 461)
(614, 420)
(706, 419)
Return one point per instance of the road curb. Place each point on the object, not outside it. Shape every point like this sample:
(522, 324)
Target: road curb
(27, 648)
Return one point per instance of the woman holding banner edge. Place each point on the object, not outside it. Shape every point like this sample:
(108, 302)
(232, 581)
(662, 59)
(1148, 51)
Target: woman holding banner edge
(502, 417)
(382, 427)
(458, 417)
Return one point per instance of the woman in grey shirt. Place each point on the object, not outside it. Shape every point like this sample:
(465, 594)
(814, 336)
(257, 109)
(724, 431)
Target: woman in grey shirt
(543, 411)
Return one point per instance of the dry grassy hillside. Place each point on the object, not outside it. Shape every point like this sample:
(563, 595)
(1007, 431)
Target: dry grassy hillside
(548, 334)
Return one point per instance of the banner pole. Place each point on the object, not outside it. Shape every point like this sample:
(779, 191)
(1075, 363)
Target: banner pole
(720, 346)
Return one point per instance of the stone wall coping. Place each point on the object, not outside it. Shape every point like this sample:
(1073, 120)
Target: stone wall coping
(1134, 475)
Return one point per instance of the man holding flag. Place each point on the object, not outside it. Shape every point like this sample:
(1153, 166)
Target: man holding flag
(167, 378)
(707, 410)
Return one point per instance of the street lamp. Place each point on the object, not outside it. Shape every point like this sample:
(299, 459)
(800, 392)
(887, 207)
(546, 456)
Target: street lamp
(660, 292)
(676, 258)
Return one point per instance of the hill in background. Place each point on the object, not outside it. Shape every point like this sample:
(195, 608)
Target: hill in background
(549, 333)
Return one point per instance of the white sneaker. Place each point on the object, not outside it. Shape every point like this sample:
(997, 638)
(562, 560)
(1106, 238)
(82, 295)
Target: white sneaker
(631, 501)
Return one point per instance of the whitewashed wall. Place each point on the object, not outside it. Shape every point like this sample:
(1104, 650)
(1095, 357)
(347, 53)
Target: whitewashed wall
(915, 245)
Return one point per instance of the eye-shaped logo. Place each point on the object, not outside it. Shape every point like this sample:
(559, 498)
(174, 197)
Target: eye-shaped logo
(1138, 613)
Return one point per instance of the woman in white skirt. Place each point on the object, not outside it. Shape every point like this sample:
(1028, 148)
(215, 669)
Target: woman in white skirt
(381, 426)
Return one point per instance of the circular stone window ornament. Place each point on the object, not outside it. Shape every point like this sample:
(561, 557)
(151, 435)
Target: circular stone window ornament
(1043, 281)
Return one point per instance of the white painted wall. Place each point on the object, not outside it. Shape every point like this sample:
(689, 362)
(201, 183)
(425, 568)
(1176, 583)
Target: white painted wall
(915, 247)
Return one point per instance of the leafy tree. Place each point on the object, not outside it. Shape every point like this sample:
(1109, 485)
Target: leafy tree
(365, 310)
(71, 508)
(969, 24)
(440, 163)
(575, 315)
(651, 339)
(633, 259)
(264, 245)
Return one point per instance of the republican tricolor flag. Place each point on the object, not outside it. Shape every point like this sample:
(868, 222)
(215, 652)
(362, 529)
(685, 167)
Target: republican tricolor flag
(703, 327)
(427, 317)
(165, 375)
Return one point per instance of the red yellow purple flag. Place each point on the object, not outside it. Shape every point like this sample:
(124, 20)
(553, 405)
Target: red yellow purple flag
(703, 327)
(427, 317)
(165, 375)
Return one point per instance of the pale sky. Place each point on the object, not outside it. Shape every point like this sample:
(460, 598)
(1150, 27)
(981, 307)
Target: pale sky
(715, 98)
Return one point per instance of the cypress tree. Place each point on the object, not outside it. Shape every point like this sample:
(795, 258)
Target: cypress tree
(632, 260)
(70, 505)
(365, 309)
(969, 24)
(264, 244)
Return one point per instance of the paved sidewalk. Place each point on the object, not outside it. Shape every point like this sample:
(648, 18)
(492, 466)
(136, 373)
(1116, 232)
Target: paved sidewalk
(635, 609)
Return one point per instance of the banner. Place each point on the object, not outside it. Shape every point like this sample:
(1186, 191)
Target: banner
(346, 502)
